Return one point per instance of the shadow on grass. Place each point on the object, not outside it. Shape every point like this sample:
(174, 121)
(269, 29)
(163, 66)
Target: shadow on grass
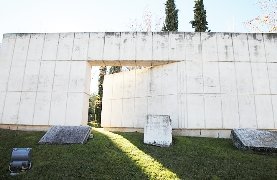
(208, 158)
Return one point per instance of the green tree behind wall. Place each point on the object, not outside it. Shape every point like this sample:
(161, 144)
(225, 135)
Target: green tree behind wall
(200, 18)
(171, 19)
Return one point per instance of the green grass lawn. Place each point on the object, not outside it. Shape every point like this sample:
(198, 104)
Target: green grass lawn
(124, 156)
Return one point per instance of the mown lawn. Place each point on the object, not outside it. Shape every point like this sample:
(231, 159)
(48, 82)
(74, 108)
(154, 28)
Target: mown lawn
(124, 156)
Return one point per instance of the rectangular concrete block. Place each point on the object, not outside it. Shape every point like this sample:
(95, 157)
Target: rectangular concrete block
(193, 46)
(16, 77)
(58, 108)
(170, 107)
(182, 110)
(247, 111)
(46, 76)
(158, 130)
(272, 71)
(169, 78)
(227, 78)
(160, 46)
(96, 48)
(142, 82)
(6, 50)
(31, 76)
(74, 109)
(225, 47)
(177, 46)
(42, 108)
(10, 112)
(21, 47)
(36, 47)
(209, 46)
(50, 46)
(118, 85)
(260, 78)
(270, 42)
(211, 77)
(79, 74)
(195, 111)
(80, 47)
(108, 87)
(213, 110)
(62, 73)
(2, 103)
(240, 45)
(144, 46)
(194, 77)
(128, 46)
(244, 78)
(264, 111)
(129, 84)
(181, 77)
(141, 107)
(5, 67)
(116, 113)
(106, 113)
(26, 108)
(65, 46)
(112, 46)
(128, 112)
(84, 121)
(230, 111)
(256, 48)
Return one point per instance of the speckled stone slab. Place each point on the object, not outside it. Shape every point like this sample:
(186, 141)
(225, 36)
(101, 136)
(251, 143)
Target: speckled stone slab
(158, 130)
(253, 139)
(66, 135)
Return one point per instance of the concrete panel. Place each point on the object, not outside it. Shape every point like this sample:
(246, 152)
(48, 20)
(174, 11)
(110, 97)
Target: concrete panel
(244, 78)
(108, 87)
(177, 46)
(80, 47)
(85, 109)
(270, 41)
(65, 46)
(181, 77)
(264, 112)
(128, 46)
(247, 111)
(16, 77)
(50, 46)
(128, 112)
(2, 103)
(274, 104)
(31, 76)
(211, 77)
(118, 85)
(96, 48)
(10, 112)
(26, 108)
(74, 109)
(227, 78)
(106, 113)
(160, 46)
(170, 106)
(46, 76)
(5, 66)
(230, 112)
(182, 110)
(194, 77)
(6, 50)
(256, 48)
(58, 108)
(225, 47)
(79, 77)
(141, 112)
(112, 46)
(209, 46)
(21, 47)
(213, 116)
(156, 80)
(35, 47)
(155, 105)
(42, 108)
(240, 45)
(272, 71)
(129, 84)
(116, 114)
(169, 79)
(196, 112)
(144, 46)
(260, 78)
(142, 83)
(61, 78)
(193, 46)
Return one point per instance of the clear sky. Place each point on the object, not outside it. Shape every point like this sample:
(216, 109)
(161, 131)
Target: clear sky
(30, 16)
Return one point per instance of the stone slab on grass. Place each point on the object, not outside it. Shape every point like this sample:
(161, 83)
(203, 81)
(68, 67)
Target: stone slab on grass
(66, 135)
(158, 130)
(256, 140)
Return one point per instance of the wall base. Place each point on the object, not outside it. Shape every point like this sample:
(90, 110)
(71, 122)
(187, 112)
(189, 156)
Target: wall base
(25, 127)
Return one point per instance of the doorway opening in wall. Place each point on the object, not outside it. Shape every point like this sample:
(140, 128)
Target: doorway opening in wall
(96, 90)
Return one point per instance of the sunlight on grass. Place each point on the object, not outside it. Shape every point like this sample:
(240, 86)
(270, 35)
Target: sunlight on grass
(151, 167)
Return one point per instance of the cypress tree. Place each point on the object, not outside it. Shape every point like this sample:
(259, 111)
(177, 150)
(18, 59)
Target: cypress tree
(199, 23)
(171, 19)
(115, 69)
